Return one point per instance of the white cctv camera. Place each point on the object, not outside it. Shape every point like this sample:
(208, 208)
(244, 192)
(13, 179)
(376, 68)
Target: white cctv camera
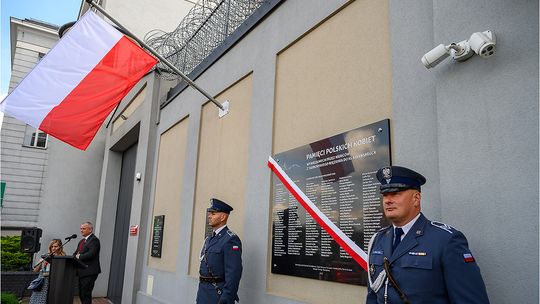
(435, 56)
(482, 43)
(440, 53)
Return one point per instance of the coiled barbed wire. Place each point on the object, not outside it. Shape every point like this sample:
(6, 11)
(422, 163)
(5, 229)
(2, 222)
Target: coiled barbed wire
(205, 27)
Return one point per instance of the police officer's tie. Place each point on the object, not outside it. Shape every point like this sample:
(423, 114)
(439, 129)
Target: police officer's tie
(398, 232)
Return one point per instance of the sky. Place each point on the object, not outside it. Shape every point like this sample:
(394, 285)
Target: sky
(56, 12)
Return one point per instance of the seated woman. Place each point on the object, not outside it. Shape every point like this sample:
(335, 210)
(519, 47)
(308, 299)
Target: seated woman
(40, 297)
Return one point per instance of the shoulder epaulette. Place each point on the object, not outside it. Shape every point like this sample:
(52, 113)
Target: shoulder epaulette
(443, 226)
(231, 233)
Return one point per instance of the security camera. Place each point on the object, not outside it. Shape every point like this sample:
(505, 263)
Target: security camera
(438, 54)
(483, 43)
(462, 52)
(435, 56)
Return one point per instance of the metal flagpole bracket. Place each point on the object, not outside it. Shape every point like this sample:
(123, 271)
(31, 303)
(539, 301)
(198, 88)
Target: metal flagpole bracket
(225, 110)
(190, 82)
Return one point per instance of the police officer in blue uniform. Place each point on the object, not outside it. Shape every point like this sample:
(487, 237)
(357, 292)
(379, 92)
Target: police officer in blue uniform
(221, 259)
(416, 260)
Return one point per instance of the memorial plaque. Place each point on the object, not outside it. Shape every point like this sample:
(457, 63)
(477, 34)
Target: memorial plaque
(157, 235)
(338, 175)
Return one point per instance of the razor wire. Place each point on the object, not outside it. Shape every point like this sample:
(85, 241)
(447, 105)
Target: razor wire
(205, 27)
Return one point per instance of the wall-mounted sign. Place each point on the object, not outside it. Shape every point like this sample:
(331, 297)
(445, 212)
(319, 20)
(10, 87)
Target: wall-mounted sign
(157, 235)
(2, 191)
(338, 175)
(133, 230)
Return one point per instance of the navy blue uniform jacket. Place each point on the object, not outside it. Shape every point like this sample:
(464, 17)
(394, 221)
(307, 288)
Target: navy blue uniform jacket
(224, 258)
(431, 265)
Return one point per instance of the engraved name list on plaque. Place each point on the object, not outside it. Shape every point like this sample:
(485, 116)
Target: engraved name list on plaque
(338, 175)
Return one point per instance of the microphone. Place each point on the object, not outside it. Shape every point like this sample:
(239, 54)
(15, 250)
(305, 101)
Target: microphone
(73, 236)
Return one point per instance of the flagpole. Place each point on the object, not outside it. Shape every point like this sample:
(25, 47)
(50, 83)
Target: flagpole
(224, 109)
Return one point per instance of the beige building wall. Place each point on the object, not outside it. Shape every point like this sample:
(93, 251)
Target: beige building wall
(129, 109)
(222, 162)
(169, 181)
(335, 78)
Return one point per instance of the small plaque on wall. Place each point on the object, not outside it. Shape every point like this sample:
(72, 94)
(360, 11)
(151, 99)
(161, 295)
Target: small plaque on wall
(157, 235)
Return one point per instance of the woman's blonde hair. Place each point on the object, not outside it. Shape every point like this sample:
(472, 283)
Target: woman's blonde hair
(59, 243)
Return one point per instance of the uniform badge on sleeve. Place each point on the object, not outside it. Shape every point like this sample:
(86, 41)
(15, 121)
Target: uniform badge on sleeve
(468, 258)
(235, 248)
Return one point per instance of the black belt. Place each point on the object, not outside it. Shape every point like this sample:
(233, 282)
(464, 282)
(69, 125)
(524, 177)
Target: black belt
(211, 279)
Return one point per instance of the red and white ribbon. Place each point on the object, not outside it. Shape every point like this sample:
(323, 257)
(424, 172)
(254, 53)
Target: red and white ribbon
(341, 238)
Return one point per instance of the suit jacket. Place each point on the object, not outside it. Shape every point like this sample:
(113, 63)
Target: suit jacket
(432, 265)
(221, 256)
(89, 255)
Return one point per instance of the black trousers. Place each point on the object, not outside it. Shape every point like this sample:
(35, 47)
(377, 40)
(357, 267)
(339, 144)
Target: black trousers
(86, 285)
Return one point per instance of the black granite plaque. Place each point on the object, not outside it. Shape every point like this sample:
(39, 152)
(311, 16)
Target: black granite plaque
(157, 235)
(338, 175)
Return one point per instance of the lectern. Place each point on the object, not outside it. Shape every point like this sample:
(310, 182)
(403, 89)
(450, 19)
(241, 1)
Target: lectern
(62, 279)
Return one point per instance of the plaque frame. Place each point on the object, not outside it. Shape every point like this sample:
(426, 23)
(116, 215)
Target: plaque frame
(157, 235)
(338, 175)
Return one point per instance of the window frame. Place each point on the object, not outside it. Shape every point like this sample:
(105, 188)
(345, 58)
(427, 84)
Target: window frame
(32, 138)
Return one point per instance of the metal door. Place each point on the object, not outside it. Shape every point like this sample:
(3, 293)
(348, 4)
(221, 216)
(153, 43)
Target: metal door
(121, 229)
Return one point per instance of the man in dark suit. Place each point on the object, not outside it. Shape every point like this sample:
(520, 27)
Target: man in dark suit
(416, 260)
(221, 259)
(88, 253)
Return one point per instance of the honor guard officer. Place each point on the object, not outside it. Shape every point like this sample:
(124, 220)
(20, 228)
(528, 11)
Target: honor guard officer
(416, 260)
(221, 259)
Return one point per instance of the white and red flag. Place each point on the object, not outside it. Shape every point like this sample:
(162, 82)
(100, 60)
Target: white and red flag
(70, 92)
(337, 234)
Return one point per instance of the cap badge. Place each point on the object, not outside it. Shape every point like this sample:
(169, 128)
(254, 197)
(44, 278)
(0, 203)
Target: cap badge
(387, 174)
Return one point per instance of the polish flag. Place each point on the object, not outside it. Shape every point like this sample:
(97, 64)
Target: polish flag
(72, 90)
